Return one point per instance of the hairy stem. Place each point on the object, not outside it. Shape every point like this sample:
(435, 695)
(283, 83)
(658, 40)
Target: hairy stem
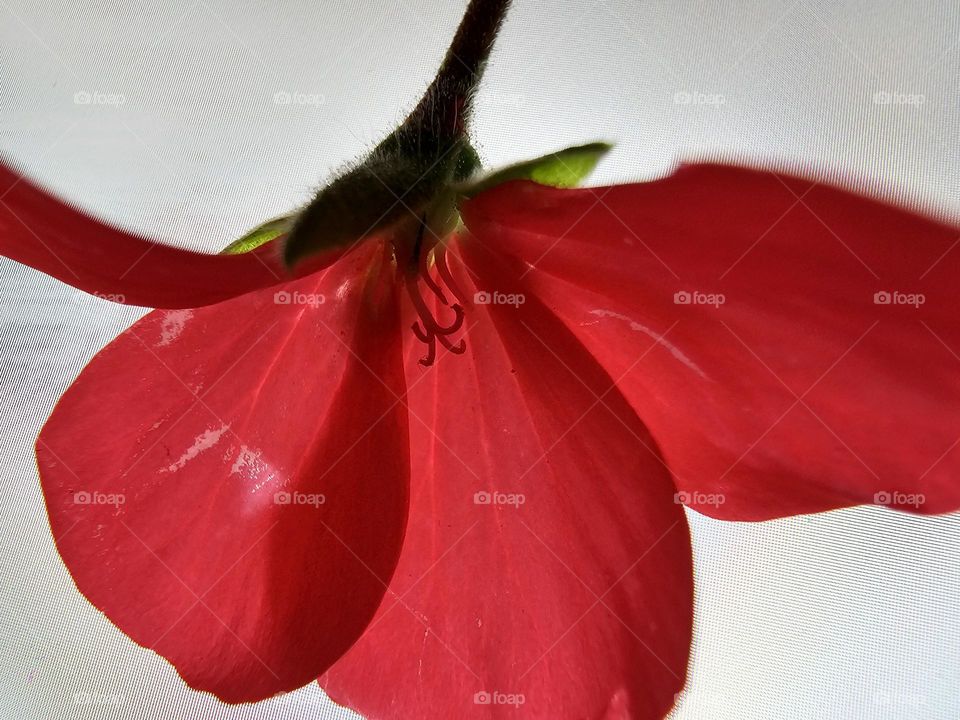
(445, 107)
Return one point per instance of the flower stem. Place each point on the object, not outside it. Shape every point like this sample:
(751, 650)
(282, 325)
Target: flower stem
(411, 170)
(442, 113)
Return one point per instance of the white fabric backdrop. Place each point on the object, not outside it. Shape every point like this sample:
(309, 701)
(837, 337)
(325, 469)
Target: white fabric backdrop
(851, 614)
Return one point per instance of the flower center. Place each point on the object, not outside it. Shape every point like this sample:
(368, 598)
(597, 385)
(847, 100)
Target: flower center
(428, 328)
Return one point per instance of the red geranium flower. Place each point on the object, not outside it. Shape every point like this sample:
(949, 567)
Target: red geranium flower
(442, 464)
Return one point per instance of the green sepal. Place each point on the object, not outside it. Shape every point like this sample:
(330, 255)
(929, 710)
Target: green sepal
(261, 234)
(562, 169)
(392, 186)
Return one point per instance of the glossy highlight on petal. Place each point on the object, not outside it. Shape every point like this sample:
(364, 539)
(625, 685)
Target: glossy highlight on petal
(792, 347)
(229, 485)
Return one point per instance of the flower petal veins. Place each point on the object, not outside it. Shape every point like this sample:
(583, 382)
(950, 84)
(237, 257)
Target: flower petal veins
(804, 352)
(229, 485)
(546, 571)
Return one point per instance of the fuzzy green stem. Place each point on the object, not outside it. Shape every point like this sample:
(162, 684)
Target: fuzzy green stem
(408, 173)
(443, 111)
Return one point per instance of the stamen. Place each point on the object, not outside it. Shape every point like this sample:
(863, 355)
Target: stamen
(457, 349)
(457, 319)
(440, 260)
(428, 328)
(424, 261)
(421, 334)
(430, 323)
(431, 342)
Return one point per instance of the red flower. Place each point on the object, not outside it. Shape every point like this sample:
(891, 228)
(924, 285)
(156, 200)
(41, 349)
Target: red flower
(265, 485)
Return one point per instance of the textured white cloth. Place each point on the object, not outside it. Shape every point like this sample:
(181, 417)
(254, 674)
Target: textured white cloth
(165, 119)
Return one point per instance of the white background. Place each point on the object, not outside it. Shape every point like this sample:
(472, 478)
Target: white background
(851, 614)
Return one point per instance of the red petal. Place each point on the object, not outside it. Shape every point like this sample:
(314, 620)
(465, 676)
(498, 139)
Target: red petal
(162, 463)
(41, 231)
(800, 393)
(580, 598)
